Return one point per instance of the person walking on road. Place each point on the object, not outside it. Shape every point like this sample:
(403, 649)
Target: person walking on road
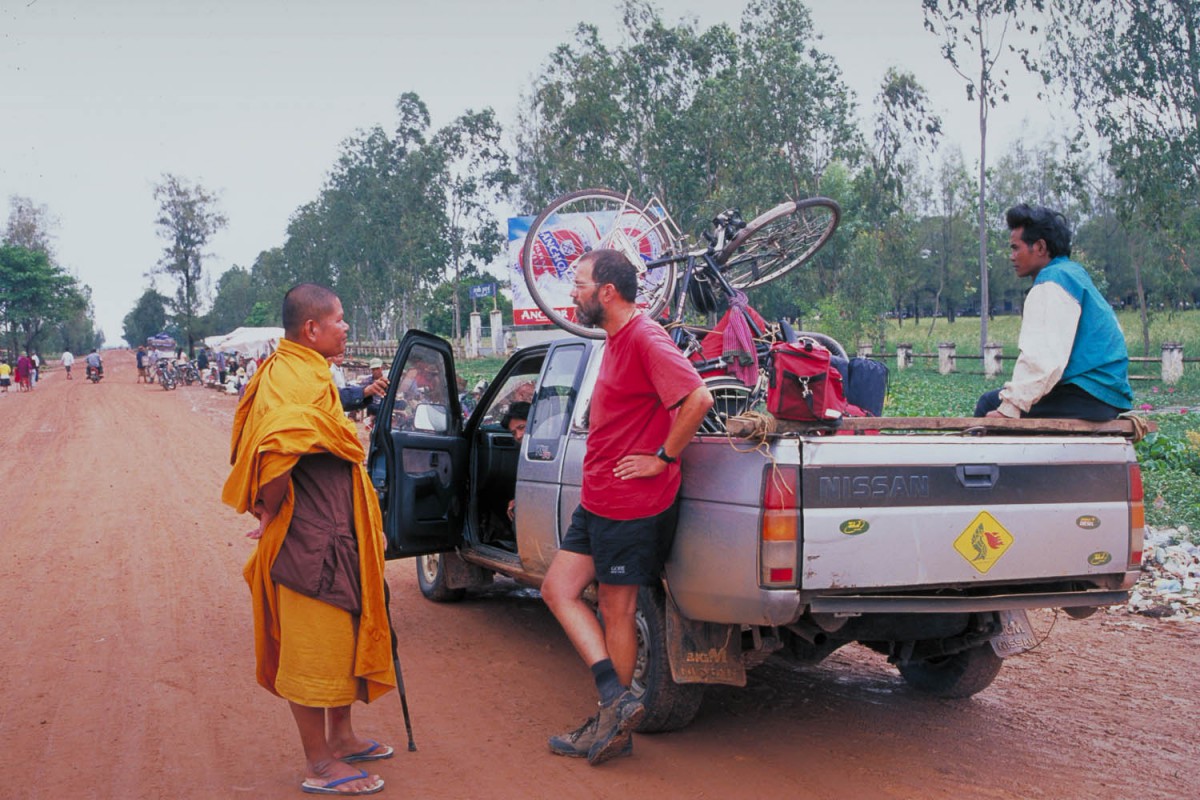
(68, 359)
(322, 638)
(24, 373)
(647, 405)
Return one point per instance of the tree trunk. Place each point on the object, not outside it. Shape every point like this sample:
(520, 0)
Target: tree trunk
(1141, 295)
(984, 302)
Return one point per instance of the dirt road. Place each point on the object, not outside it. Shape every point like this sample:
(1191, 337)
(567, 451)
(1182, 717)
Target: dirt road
(128, 673)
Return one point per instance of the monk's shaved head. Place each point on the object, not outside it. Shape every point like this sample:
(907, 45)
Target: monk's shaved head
(303, 302)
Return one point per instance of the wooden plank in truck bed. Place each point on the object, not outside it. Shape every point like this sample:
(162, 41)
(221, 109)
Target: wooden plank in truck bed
(741, 426)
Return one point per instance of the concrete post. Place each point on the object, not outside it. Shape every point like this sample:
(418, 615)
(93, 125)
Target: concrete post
(904, 358)
(992, 356)
(498, 341)
(474, 335)
(1172, 363)
(864, 349)
(947, 361)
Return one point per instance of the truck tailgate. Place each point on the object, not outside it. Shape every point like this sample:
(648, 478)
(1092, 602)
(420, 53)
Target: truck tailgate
(921, 511)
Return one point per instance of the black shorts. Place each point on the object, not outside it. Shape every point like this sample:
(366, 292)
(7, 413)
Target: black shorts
(625, 551)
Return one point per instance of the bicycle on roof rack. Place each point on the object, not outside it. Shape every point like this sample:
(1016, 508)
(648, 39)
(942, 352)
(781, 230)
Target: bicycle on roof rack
(736, 255)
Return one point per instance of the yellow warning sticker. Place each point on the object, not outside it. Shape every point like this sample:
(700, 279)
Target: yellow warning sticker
(983, 542)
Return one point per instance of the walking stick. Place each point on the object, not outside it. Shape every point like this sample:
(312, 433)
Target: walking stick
(387, 600)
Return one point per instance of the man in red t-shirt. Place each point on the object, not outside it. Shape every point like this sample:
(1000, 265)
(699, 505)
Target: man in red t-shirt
(647, 405)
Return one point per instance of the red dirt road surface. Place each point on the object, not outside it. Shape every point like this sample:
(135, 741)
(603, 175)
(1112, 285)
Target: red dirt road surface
(127, 667)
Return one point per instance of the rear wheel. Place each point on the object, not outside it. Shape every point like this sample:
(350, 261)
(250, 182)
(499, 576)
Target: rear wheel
(777, 241)
(579, 222)
(955, 676)
(669, 705)
(431, 578)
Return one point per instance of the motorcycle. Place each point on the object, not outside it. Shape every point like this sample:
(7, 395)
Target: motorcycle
(165, 374)
(94, 374)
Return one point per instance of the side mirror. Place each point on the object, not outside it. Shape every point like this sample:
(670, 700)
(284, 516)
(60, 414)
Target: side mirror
(430, 418)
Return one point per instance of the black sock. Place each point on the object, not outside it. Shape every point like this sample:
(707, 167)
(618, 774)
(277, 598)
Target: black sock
(607, 682)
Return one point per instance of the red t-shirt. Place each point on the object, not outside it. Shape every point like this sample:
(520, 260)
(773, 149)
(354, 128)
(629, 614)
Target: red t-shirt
(642, 378)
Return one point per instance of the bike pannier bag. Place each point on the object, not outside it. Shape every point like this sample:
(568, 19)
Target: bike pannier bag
(803, 384)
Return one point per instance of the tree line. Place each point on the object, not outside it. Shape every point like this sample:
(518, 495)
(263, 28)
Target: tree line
(43, 308)
(705, 118)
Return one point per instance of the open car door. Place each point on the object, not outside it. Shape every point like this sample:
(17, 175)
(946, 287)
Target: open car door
(418, 456)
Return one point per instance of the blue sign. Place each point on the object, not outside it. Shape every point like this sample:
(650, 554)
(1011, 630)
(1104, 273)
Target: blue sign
(483, 290)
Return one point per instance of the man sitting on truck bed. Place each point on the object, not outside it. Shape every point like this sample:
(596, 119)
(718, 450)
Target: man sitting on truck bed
(647, 398)
(1073, 362)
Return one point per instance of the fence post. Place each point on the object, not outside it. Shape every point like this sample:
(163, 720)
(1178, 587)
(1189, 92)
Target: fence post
(946, 358)
(474, 334)
(497, 321)
(992, 353)
(864, 349)
(1172, 363)
(904, 357)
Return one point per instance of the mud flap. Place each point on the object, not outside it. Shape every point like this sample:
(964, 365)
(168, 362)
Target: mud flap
(461, 575)
(1016, 634)
(703, 652)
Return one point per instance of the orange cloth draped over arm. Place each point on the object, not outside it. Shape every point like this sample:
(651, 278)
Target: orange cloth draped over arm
(290, 409)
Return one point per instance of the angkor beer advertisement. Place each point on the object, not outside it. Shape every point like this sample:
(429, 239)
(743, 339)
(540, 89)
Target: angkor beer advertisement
(562, 240)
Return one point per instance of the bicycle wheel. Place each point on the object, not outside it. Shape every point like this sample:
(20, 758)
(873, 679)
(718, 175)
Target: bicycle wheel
(777, 241)
(731, 397)
(581, 221)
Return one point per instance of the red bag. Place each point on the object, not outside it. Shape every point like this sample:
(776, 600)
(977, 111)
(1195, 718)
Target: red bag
(803, 385)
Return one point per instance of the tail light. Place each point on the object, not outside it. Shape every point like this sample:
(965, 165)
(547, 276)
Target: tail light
(1137, 516)
(779, 528)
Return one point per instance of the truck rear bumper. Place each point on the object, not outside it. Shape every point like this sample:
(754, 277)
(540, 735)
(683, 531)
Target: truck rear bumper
(933, 604)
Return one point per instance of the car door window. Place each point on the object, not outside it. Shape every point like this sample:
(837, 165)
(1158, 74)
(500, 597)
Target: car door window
(422, 398)
(551, 410)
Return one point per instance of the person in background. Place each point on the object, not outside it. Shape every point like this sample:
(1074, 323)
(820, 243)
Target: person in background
(143, 365)
(515, 420)
(5, 376)
(68, 358)
(36, 370)
(23, 372)
(1073, 361)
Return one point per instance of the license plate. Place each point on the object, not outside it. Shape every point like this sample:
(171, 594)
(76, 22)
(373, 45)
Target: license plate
(1016, 634)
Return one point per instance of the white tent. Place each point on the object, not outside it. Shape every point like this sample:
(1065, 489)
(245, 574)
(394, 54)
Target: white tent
(247, 341)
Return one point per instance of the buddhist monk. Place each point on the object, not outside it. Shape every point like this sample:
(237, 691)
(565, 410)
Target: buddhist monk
(322, 638)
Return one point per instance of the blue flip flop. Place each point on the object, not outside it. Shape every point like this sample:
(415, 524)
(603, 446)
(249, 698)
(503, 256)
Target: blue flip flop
(375, 752)
(312, 787)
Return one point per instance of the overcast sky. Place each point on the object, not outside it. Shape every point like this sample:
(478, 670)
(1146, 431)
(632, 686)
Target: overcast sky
(251, 99)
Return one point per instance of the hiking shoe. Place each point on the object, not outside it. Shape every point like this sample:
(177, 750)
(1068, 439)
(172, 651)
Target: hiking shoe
(614, 728)
(577, 743)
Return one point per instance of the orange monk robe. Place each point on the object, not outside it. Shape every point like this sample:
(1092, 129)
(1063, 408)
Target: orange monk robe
(290, 408)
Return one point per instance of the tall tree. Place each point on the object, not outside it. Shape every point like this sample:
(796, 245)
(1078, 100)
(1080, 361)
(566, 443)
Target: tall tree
(476, 176)
(980, 28)
(34, 295)
(1133, 68)
(234, 300)
(148, 317)
(29, 225)
(187, 219)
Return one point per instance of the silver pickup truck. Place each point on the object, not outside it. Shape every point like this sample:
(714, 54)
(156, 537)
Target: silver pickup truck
(925, 547)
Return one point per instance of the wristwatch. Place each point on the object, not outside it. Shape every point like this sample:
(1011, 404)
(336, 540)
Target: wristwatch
(662, 455)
